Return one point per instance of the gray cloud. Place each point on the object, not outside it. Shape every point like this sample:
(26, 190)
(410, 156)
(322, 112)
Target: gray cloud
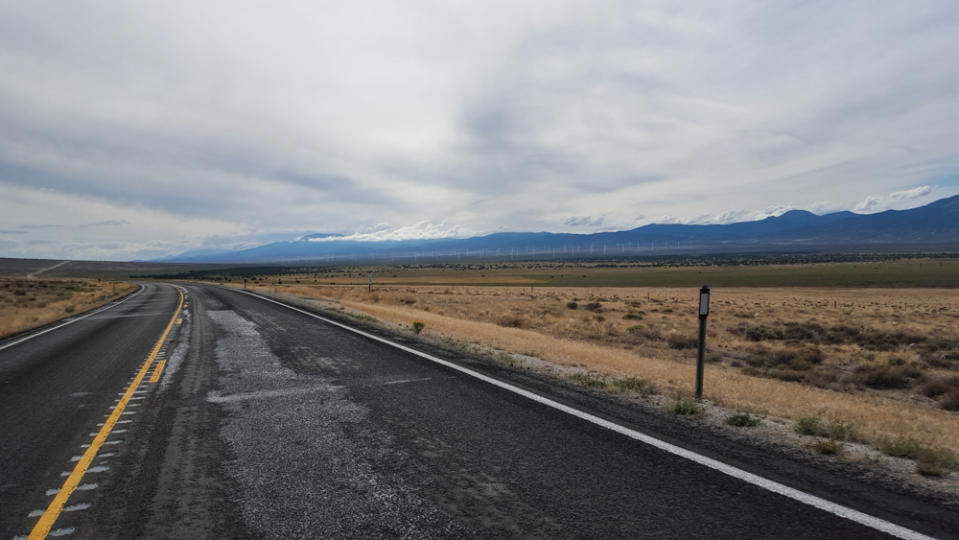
(176, 128)
(585, 221)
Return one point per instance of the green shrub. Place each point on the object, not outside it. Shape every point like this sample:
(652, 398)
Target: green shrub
(418, 326)
(808, 425)
(687, 406)
(742, 420)
(834, 429)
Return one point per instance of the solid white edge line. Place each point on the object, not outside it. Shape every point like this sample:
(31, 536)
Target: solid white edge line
(71, 321)
(856, 516)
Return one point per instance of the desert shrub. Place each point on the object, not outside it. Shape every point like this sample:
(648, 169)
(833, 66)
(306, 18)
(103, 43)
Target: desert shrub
(511, 321)
(929, 461)
(407, 301)
(837, 429)
(687, 406)
(940, 386)
(594, 306)
(828, 447)
(70, 309)
(742, 420)
(816, 334)
(821, 378)
(633, 316)
(636, 384)
(418, 326)
(950, 401)
(939, 359)
(808, 425)
(833, 429)
(642, 331)
(677, 341)
(787, 375)
(572, 305)
(888, 341)
(887, 377)
(761, 333)
(800, 359)
(589, 380)
(802, 331)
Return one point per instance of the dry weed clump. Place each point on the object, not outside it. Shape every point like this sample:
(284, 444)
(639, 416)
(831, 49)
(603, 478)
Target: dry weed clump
(793, 353)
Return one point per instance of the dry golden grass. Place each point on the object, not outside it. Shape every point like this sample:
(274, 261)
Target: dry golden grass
(28, 303)
(630, 331)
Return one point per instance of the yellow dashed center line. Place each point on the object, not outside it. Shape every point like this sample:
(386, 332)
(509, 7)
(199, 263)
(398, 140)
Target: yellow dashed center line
(49, 517)
(158, 371)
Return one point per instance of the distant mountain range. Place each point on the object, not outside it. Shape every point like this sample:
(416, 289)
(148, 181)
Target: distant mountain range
(934, 227)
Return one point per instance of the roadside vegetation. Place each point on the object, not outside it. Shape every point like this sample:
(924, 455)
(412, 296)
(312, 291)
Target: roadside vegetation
(29, 303)
(847, 365)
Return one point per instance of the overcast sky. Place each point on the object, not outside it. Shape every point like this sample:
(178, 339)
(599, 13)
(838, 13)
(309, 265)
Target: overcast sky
(140, 129)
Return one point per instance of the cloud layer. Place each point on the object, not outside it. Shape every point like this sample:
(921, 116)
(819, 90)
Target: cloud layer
(178, 125)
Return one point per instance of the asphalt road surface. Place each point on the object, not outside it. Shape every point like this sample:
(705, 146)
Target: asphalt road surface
(265, 422)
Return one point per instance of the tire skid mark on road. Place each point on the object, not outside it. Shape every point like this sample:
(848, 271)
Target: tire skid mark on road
(407, 381)
(44, 526)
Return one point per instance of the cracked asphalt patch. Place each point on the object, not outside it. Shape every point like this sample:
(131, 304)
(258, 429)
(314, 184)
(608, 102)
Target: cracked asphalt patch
(303, 454)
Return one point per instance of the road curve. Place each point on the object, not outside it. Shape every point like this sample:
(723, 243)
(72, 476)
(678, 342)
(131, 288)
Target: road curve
(55, 387)
(269, 423)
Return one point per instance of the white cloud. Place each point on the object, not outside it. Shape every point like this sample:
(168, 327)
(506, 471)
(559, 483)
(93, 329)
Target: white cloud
(868, 205)
(910, 194)
(238, 116)
(417, 231)
(896, 200)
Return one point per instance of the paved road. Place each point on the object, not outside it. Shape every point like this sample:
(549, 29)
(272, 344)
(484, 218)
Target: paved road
(55, 388)
(269, 423)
